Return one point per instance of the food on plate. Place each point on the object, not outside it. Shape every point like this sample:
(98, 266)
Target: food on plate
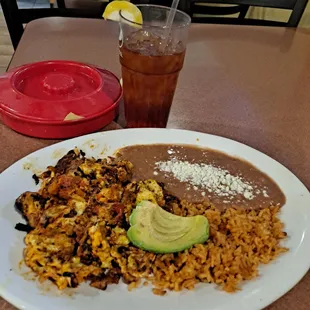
(156, 230)
(198, 174)
(81, 222)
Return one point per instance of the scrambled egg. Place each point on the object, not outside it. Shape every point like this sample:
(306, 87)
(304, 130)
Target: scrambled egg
(78, 220)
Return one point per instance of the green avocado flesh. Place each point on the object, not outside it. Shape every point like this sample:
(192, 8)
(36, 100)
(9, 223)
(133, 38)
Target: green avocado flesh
(156, 230)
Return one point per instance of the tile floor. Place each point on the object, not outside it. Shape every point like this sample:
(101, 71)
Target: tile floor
(33, 3)
(6, 48)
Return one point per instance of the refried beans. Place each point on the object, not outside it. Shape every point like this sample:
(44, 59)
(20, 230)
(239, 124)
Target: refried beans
(196, 174)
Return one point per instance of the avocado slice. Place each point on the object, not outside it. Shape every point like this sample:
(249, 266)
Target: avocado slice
(156, 230)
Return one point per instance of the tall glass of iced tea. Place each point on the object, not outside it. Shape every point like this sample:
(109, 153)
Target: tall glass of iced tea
(151, 61)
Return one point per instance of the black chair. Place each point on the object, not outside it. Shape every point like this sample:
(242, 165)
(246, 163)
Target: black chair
(241, 6)
(15, 17)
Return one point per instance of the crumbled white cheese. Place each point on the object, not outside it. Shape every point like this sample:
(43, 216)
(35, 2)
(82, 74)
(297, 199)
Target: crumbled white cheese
(207, 177)
(265, 194)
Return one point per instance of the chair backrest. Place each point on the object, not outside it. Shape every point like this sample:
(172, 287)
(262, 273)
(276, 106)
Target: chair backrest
(16, 17)
(194, 7)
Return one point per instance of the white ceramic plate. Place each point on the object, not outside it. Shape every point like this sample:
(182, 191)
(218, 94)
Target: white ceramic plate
(275, 280)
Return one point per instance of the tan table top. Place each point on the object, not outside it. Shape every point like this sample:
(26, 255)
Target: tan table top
(250, 84)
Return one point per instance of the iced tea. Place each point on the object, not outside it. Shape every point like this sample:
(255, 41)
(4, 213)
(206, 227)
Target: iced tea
(149, 78)
(151, 59)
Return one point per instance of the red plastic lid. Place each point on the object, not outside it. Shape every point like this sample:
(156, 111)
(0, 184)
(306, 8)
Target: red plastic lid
(51, 90)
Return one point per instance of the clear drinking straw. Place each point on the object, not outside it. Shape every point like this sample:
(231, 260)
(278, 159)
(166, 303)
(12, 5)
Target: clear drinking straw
(173, 10)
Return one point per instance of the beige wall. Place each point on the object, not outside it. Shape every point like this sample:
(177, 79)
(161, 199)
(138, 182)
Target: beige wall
(279, 15)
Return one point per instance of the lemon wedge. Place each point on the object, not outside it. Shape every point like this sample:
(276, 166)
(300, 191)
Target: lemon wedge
(129, 11)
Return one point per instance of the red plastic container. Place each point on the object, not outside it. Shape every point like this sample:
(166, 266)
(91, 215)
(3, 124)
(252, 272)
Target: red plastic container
(36, 99)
